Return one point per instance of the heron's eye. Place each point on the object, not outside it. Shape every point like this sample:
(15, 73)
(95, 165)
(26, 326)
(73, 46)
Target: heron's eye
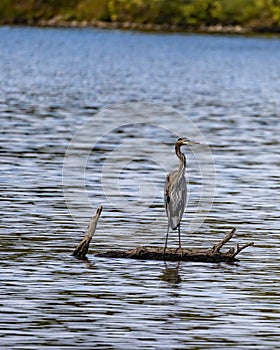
(179, 139)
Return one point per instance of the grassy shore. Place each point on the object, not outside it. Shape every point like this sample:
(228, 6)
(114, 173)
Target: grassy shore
(230, 16)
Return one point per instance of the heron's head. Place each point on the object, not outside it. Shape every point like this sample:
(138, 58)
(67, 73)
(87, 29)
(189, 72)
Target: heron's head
(185, 141)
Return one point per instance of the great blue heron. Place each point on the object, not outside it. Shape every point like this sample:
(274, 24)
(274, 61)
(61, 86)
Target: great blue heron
(175, 191)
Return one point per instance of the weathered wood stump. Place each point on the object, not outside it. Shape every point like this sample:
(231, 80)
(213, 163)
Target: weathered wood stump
(212, 254)
(81, 250)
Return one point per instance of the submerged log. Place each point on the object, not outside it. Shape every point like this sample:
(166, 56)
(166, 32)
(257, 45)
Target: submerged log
(212, 254)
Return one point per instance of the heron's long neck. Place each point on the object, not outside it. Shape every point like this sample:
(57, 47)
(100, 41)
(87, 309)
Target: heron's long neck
(182, 158)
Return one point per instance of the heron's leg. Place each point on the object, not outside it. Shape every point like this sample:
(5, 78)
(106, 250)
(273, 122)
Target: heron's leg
(166, 239)
(179, 235)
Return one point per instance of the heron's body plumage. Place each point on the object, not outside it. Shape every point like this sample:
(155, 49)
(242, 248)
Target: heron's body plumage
(175, 192)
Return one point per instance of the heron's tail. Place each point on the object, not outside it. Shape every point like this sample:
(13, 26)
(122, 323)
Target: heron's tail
(174, 222)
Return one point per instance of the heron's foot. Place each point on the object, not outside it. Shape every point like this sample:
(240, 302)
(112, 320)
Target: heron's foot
(181, 249)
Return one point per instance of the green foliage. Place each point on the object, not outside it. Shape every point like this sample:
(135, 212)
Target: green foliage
(7, 11)
(197, 12)
(92, 9)
(254, 13)
(276, 15)
(143, 11)
(268, 12)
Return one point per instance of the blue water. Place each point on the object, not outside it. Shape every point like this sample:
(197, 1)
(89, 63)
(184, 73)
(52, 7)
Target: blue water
(223, 91)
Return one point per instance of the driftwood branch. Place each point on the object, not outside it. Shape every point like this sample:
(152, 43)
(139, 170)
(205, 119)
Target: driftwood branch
(81, 250)
(216, 248)
(240, 248)
(213, 254)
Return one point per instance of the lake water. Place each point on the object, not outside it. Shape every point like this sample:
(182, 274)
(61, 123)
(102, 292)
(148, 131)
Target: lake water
(64, 152)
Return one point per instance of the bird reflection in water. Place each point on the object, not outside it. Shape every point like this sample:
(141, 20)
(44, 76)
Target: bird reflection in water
(171, 274)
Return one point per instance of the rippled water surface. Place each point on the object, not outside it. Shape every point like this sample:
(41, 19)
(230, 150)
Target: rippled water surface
(223, 91)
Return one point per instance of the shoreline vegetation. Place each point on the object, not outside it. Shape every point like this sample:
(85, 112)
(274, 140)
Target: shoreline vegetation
(207, 16)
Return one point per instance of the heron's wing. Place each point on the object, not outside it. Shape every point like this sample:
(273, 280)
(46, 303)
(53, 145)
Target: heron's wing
(175, 198)
(166, 193)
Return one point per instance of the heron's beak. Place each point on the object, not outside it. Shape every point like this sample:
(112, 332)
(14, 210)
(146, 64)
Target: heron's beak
(191, 143)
